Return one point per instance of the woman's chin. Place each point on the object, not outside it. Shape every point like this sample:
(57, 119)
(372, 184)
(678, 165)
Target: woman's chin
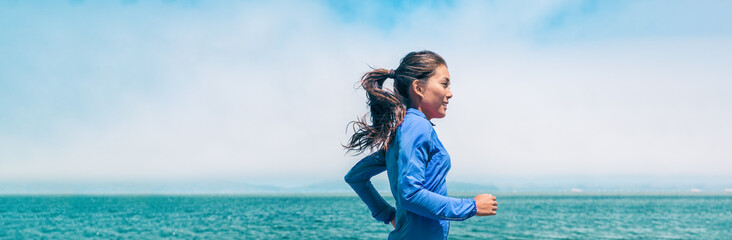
(440, 114)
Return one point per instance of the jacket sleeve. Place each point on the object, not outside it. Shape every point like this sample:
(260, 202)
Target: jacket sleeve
(359, 178)
(413, 157)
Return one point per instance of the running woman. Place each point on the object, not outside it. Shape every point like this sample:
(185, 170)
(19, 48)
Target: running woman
(407, 147)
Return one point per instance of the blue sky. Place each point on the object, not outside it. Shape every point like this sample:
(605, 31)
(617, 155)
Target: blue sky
(262, 90)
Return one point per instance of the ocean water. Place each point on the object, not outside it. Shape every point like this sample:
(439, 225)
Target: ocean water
(526, 216)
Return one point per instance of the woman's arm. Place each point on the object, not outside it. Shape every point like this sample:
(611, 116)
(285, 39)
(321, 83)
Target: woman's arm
(359, 178)
(413, 156)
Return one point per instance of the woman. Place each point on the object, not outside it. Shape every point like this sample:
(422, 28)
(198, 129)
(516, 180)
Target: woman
(407, 147)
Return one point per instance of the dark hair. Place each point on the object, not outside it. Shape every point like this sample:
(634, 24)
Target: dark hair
(388, 108)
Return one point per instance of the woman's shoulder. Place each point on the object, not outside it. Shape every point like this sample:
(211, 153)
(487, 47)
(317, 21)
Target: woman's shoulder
(415, 133)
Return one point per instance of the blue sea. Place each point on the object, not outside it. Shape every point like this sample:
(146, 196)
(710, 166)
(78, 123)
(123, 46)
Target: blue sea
(520, 216)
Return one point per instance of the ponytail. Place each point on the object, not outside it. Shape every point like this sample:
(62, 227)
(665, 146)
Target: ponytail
(387, 112)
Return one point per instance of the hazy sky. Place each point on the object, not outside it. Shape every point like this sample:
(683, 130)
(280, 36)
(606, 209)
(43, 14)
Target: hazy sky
(262, 90)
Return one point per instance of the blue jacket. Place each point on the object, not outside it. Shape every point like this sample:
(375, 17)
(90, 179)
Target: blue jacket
(417, 164)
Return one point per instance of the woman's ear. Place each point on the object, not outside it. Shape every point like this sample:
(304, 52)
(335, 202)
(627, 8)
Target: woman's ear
(417, 88)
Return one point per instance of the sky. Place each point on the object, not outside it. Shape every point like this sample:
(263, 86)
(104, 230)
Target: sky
(262, 91)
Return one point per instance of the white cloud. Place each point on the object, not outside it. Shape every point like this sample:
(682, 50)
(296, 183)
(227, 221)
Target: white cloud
(263, 91)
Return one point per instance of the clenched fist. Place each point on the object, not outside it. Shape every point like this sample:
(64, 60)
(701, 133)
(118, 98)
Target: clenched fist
(486, 205)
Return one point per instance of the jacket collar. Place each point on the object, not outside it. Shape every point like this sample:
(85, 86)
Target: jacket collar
(418, 113)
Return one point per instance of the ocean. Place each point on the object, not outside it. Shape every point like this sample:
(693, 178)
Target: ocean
(323, 216)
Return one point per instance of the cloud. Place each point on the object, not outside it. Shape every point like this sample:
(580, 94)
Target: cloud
(263, 90)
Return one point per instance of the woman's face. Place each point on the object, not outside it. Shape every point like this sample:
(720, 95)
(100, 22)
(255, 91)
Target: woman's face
(436, 94)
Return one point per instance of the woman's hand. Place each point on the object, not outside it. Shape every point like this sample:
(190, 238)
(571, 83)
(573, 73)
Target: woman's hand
(485, 204)
(392, 223)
